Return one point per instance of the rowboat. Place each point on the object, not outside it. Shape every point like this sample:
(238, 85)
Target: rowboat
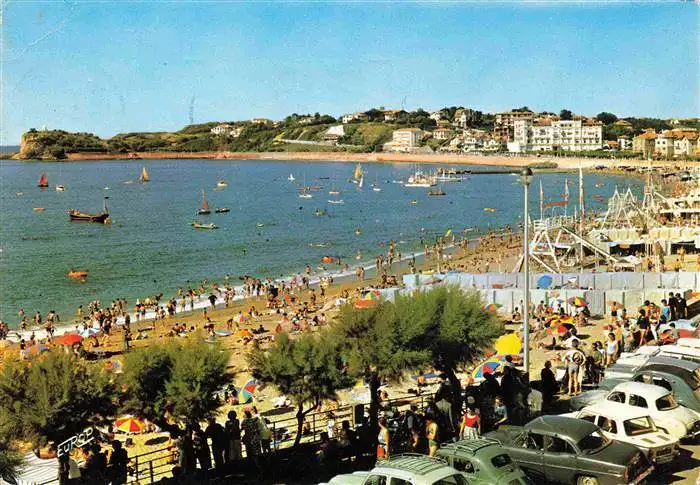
(77, 274)
(199, 225)
(99, 217)
(60, 188)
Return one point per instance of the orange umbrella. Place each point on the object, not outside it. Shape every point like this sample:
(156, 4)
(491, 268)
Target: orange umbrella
(244, 333)
(69, 339)
(360, 304)
(129, 424)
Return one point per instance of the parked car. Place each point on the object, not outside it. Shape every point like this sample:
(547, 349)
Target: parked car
(689, 342)
(642, 355)
(404, 470)
(633, 425)
(483, 462)
(677, 375)
(660, 403)
(567, 450)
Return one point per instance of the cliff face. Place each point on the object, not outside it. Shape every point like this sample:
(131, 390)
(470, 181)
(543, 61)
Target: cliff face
(54, 144)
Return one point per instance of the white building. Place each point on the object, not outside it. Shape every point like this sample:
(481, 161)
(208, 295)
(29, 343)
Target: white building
(349, 118)
(625, 143)
(391, 115)
(261, 121)
(333, 133)
(685, 145)
(436, 116)
(567, 135)
(223, 129)
(442, 133)
(664, 144)
(405, 139)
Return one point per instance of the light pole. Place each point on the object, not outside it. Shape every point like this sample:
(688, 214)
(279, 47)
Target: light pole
(526, 178)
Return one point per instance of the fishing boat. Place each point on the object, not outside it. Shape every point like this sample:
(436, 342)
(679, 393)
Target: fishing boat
(43, 181)
(205, 206)
(200, 225)
(337, 202)
(60, 188)
(221, 184)
(291, 178)
(436, 191)
(419, 179)
(77, 274)
(143, 178)
(222, 210)
(39, 209)
(99, 217)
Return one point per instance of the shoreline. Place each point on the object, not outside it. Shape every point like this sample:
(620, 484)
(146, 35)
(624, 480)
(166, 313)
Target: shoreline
(563, 163)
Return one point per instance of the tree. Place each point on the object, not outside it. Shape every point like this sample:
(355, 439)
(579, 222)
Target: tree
(52, 399)
(606, 118)
(450, 326)
(307, 369)
(372, 341)
(565, 115)
(11, 462)
(146, 373)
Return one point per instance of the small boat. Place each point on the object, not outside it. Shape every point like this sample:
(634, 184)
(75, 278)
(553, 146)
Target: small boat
(414, 202)
(291, 178)
(259, 224)
(221, 184)
(143, 178)
(358, 232)
(199, 225)
(20, 194)
(337, 202)
(361, 182)
(600, 185)
(334, 192)
(43, 181)
(489, 209)
(221, 210)
(305, 195)
(39, 209)
(205, 206)
(376, 189)
(77, 274)
(305, 190)
(436, 191)
(107, 187)
(357, 174)
(375, 185)
(320, 212)
(129, 182)
(60, 188)
(99, 217)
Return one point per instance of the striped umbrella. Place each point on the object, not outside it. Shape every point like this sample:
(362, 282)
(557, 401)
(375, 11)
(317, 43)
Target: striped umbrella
(492, 307)
(245, 394)
(488, 367)
(130, 424)
(577, 301)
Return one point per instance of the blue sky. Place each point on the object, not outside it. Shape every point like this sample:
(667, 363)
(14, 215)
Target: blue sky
(109, 67)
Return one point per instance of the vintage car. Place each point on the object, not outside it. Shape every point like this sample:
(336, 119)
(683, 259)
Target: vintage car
(572, 451)
(642, 355)
(483, 462)
(656, 401)
(677, 375)
(404, 470)
(632, 425)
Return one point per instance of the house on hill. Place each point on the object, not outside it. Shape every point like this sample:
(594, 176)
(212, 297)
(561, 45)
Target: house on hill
(333, 134)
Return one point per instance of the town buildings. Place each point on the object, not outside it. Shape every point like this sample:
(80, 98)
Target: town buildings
(405, 139)
(442, 133)
(357, 116)
(554, 135)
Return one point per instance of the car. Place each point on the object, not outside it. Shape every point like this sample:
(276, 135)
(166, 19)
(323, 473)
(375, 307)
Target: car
(658, 402)
(642, 355)
(632, 425)
(689, 342)
(483, 461)
(677, 375)
(572, 451)
(404, 470)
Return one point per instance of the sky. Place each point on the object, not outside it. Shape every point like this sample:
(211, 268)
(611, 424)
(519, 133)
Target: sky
(110, 67)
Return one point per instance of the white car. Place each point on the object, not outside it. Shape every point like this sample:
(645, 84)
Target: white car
(402, 470)
(631, 425)
(645, 352)
(689, 342)
(659, 403)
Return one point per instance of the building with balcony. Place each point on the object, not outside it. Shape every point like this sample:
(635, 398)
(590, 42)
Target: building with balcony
(406, 139)
(566, 135)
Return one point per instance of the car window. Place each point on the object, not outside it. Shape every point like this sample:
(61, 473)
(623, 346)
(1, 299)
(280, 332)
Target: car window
(534, 441)
(399, 481)
(638, 426)
(456, 479)
(593, 443)
(643, 378)
(587, 417)
(659, 381)
(463, 465)
(376, 480)
(608, 425)
(639, 401)
(554, 444)
(617, 396)
(500, 461)
(666, 403)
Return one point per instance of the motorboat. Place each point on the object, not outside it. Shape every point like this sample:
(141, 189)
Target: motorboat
(60, 188)
(221, 184)
(77, 274)
(199, 225)
(337, 202)
(222, 210)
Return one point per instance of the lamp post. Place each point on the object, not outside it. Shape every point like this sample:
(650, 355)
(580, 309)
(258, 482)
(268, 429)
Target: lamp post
(526, 178)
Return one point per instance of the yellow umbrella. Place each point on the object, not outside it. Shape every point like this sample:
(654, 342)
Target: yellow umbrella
(130, 424)
(508, 344)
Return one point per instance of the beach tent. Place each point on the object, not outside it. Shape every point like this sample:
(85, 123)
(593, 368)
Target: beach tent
(36, 471)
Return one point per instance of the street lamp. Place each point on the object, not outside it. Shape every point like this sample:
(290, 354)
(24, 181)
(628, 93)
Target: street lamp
(526, 178)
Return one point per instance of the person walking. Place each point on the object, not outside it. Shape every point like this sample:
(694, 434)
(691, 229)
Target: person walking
(251, 437)
(432, 432)
(383, 440)
(611, 350)
(574, 359)
(550, 386)
(471, 424)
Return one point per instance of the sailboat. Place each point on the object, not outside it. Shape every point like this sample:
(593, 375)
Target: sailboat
(375, 185)
(361, 182)
(143, 178)
(205, 206)
(357, 175)
(43, 181)
(100, 217)
(291, 178)
(334, 191)
(305, 191)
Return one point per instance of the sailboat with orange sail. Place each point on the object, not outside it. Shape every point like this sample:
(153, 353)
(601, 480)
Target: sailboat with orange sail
(143, 178)
(43, 181)
(205, 206)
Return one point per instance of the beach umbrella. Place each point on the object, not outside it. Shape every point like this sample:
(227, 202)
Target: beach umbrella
(492, 307)
(360, 304)
(488, 367)
(544, 281)
(68, 339)
(371, 295)
(577, 301)
(508, 344)
(245, 394)
(129, 424)
(223, 333)
(244, 333)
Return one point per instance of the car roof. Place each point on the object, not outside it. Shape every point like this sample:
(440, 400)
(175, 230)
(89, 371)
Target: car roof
(573, 427)
(471, 447)
(669, 364)
(651, 390)
(616, 410)
(415, 464)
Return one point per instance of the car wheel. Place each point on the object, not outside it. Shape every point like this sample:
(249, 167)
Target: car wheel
(587, 481)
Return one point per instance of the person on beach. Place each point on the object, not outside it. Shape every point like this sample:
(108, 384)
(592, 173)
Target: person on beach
(233, 432)
(611, 350)
(574, 359)
(251, 437)
(471, 424)
(383, 440)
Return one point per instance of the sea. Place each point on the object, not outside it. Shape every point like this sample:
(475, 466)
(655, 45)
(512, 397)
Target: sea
(270, 232)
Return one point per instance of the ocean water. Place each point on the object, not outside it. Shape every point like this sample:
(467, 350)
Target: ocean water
(270, 231)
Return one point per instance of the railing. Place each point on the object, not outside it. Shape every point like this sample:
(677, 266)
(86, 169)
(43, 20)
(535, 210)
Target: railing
(149, 467)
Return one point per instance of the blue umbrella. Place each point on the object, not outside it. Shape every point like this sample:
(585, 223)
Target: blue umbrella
(544, 281)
